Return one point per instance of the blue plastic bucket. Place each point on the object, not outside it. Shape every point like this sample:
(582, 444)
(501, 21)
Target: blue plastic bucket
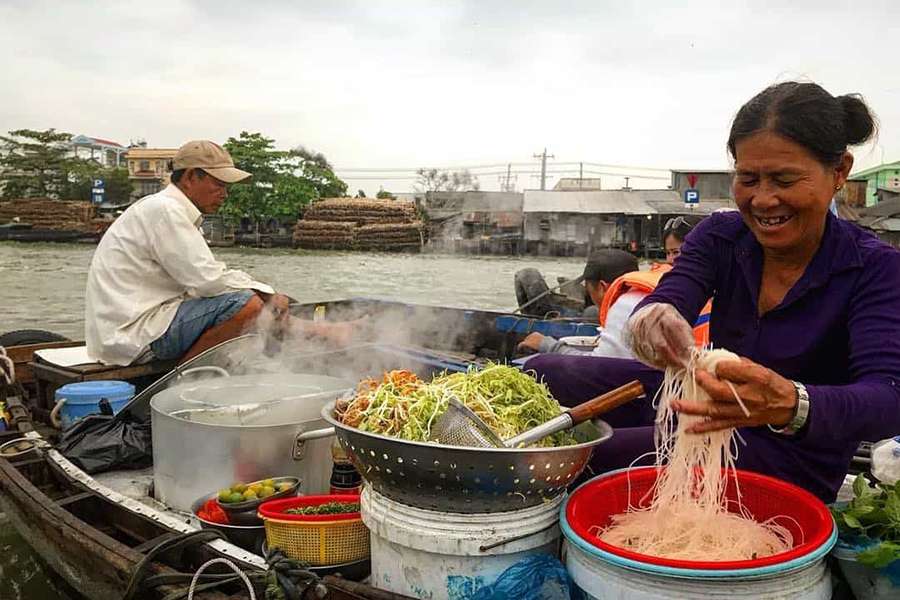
(82, 399)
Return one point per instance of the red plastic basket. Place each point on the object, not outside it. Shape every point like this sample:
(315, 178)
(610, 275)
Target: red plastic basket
(804, 515)
(274, 509)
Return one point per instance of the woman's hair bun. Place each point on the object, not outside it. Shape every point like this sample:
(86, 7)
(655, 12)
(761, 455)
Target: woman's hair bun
(859, 124)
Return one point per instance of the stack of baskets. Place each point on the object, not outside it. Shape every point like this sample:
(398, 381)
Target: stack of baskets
(320, 540)
(603, 570)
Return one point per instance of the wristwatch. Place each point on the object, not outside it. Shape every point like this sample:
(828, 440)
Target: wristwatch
(801, 412)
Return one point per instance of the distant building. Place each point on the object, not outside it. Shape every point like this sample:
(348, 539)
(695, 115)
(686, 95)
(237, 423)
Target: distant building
(149, 169)
(576, 184)
(883, 218)
(576, 223)
(106, 153)
(712, 184)
(474, 221)
(886, 176)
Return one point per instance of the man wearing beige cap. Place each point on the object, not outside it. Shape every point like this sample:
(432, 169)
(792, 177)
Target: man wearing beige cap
(154, 288)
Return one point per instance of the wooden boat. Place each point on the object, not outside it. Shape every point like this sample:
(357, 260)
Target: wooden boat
(25, 232)
(95, 537)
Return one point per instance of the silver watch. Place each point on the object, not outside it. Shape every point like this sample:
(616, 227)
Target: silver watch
(801, 412)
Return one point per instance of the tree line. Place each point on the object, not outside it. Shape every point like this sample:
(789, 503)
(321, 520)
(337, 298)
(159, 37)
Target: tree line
(37, 163)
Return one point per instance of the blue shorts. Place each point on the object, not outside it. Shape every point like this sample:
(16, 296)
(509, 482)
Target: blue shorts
(193, 318)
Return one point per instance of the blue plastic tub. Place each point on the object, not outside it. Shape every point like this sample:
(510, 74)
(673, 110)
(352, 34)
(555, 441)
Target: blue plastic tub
(82, 399)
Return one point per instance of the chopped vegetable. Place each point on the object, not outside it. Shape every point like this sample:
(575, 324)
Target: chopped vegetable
(211, 512)
(873, 513)
(402, 405)
(329, 508)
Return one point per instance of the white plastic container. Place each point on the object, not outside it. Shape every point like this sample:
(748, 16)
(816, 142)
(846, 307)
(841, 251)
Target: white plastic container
(439, 556)
(867, 583)
(600, 580)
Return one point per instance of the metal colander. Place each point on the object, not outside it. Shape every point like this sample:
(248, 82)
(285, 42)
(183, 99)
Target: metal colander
(466, 480)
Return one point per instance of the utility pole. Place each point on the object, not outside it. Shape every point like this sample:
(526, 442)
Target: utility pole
(543, 156)
(506, 184)
(580, 175)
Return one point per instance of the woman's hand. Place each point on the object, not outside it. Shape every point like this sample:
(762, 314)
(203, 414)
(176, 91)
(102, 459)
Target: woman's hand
(770, 398)
(659, 336)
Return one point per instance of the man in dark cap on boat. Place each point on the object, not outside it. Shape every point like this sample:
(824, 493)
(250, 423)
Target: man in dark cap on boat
(155, 290)
(603, 269)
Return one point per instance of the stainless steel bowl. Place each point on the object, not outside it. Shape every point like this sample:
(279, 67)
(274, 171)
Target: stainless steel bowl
(248, 537)
(244, 513)
(466, 480)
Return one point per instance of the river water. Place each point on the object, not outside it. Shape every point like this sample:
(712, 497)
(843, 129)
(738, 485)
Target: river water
(42, 287)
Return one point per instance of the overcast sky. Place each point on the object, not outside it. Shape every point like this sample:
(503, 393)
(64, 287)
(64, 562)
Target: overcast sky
(401, 85)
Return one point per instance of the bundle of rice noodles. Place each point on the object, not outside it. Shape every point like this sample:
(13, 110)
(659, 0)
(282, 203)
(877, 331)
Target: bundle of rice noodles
(688, 517)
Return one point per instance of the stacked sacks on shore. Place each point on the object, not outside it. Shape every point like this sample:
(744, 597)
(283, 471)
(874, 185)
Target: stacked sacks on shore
(360, 224)
(324, 234)
(47, 213)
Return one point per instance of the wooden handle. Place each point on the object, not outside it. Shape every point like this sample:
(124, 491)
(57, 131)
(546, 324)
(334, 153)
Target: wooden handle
(606, 402)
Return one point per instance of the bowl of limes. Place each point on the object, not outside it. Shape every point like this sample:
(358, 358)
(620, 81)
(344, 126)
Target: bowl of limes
(240, 501)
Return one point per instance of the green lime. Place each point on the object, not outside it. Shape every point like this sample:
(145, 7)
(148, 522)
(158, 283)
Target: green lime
(250, 495)
(240, 488)
(266, 491)
(224, 495)
(269, 483)
(235, 497)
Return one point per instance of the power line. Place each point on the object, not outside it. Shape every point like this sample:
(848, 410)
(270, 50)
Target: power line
(513, 173)
(494, 166)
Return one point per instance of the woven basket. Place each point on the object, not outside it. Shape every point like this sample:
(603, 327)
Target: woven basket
(319, 540)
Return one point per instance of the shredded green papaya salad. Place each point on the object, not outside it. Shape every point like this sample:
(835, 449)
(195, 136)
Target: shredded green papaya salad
(402, 405)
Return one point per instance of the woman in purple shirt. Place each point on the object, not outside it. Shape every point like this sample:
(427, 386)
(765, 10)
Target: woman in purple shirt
(810, 303)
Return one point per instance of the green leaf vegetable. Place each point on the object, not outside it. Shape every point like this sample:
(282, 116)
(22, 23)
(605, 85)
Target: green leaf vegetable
(507, 399)
(328, 508)
(873, 513)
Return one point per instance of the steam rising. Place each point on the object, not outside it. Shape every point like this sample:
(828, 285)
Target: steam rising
(379, 337)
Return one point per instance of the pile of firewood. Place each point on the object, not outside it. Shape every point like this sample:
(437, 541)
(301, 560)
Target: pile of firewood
(324, 234)
(360, 224)
(390, 236)
(46, 213)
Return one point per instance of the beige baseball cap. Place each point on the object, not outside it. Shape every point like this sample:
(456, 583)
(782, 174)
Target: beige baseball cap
(211, 157)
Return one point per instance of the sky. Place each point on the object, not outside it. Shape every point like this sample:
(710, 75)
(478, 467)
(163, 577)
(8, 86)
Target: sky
(631, 86)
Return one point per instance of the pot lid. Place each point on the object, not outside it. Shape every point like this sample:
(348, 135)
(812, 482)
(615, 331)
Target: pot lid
(250, 400)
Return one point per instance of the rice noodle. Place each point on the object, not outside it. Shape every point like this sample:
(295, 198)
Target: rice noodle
(688, 517)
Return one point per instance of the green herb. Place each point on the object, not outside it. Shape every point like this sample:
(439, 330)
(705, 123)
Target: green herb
(329, 508)
(507, 399)
(874, 513)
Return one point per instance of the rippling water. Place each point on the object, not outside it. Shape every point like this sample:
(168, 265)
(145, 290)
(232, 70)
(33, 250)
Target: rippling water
(42, 287)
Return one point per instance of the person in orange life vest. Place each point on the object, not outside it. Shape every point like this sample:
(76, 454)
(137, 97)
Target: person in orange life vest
(616, 300)
(603, 269)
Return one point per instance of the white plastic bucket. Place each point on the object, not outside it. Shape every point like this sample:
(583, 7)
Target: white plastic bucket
(601, 580)
(439, 556)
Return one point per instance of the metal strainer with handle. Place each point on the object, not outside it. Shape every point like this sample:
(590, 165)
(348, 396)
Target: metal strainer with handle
(446, 478)
(459, 426)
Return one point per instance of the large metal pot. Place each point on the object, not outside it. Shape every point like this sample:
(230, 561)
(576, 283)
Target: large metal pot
(211, 433)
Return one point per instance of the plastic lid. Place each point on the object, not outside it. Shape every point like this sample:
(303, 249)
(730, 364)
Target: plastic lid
(95, 390)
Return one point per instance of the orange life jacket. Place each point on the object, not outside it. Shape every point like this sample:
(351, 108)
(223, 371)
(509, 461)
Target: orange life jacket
(646, 281)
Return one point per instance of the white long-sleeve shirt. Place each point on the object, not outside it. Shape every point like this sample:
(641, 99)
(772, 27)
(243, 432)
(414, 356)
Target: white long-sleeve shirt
(610, 342)
(149, 261)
